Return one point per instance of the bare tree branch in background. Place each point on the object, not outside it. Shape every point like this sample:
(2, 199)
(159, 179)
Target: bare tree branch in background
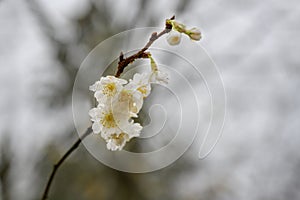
(5, 165)
(63, 158)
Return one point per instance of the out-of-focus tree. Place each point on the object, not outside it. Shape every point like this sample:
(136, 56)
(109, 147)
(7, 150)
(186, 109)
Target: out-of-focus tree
(5, 166)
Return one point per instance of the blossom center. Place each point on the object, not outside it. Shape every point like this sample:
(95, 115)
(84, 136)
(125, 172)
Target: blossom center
(125, 96)
(108, 120)
(119, 139)
(110, 89)
(143, 90)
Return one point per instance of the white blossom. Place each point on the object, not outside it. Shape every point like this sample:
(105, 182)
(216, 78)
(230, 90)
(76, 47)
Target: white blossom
(129, 99)
(117, 142)
(140, 83)
(104, 121)
(107, 87)
(112, 122)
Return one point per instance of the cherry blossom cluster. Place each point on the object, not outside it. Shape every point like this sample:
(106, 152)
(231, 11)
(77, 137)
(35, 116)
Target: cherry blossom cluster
(119, 102)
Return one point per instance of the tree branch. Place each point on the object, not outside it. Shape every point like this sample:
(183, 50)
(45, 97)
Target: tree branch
(65, 156)
(123, 62)
(142, 53)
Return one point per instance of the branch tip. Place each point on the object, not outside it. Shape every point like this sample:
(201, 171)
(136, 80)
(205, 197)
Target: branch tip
(121, 57)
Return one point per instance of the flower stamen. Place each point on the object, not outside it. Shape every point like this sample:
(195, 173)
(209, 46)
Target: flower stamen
(108, 120)
(109, 89)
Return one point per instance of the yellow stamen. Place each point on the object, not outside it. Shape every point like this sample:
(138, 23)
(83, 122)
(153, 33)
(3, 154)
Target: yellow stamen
(119, 138)
(108, 120)
(110, 89)
(143, 90)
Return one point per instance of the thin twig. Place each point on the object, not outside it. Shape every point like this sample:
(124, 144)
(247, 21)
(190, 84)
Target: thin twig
(58, 164)
(142, 53)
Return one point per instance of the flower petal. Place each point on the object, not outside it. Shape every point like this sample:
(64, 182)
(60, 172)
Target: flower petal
(96, 127)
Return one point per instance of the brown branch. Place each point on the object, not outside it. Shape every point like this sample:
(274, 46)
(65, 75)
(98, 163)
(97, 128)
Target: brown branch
(142, 53)
(65, 156)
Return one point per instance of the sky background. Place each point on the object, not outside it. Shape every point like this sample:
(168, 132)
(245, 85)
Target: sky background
(255, 45)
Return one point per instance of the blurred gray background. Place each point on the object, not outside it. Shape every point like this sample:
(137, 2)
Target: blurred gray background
(256, 46)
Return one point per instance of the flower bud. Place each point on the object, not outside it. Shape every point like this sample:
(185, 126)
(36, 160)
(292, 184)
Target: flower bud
(153, 64)
(194, 34)
(179, 27)
(174, 38)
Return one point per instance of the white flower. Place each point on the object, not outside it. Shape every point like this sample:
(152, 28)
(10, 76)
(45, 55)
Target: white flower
(111, 121)
(194, 34)
(159, 77)
(95, 114)
(140, 83)
(107, 87)
(131, 128)
(117, 142)
(104, 120)
(130, 100)
(174, 38)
